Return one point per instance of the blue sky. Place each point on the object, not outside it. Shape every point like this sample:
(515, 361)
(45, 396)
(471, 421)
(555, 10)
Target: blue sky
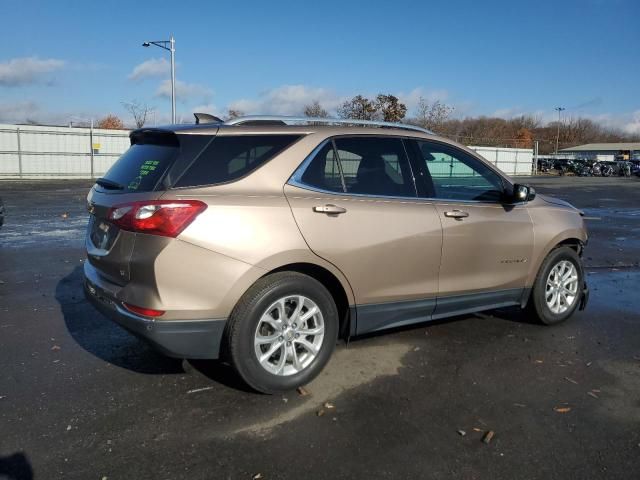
(67, 58)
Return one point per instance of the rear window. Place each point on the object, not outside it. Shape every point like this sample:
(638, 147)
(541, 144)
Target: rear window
(141, 167)
(228, 158)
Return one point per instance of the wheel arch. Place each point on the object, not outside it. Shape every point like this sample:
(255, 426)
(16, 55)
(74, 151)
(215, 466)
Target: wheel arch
(571, 241)
(341, 295)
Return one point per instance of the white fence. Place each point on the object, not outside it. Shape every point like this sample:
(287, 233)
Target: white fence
(512, 161)
(34, 151)
(30, 151)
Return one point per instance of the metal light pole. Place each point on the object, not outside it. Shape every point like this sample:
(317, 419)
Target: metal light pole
(169, 45)
(558, 109)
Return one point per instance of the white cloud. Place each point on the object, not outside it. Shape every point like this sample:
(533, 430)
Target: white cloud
(27, 70)
(209, 108)
(412, 98)
(291, 99)
(154, 67)
(286, 100)
(18, 111)
(633, 125)
(627, 122)
(33, 112)
(185, 91)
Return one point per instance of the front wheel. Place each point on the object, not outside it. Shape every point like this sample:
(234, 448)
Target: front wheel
(282, 332)
(558, 289)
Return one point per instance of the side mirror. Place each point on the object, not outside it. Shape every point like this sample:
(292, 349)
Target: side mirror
(522, 193)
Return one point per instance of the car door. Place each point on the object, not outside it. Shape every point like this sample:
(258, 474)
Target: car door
(487, 243)
(355, 202)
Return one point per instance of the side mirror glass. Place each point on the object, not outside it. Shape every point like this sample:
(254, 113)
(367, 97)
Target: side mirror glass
(532, 194)
(522, 193)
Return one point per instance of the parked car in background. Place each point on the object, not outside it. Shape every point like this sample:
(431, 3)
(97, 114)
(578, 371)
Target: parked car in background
(263, 242)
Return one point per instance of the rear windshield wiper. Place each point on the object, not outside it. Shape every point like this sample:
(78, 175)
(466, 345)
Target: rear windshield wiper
(110, 184)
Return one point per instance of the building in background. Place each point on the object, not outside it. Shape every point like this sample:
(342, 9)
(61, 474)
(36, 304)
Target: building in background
(604, 151)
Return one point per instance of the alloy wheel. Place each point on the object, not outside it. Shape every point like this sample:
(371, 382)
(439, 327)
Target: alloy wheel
(562, 287)
(289, 335)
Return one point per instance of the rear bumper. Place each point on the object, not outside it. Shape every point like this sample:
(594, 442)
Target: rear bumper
(175, 338)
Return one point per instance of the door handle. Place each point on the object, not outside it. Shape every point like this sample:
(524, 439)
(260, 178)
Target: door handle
(329, 209)
(457, 214)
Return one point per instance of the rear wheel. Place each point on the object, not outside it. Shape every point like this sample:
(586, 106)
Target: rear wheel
(557, 290)
(282, 332)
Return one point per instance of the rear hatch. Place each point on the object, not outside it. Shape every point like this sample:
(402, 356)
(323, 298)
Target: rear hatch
(141, 174)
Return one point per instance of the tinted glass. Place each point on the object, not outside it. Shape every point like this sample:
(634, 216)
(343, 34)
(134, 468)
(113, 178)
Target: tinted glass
(456, 175)
(228, 158)
(375, 166)
(140, 168)
(324, 172)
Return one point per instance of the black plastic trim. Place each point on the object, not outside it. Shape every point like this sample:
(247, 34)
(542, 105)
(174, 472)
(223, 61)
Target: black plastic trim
(381, 316)
(200, 338)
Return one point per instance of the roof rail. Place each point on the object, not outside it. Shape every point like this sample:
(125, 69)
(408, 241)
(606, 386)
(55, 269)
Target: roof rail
(283, 119)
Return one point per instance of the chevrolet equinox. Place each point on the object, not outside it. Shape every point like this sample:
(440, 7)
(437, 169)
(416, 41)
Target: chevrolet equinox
(263, 240)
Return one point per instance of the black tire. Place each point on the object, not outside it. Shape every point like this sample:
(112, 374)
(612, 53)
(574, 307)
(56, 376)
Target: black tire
(537, 305)
(244, 322)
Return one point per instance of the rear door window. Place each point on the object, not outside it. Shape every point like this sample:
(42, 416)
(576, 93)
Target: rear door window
(324, 171)
(375, 166)
(229, 158)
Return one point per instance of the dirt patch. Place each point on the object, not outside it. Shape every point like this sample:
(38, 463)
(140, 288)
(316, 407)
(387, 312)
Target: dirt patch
(348, 368)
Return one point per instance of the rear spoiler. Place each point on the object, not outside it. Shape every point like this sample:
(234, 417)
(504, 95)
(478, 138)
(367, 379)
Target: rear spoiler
(153, 136)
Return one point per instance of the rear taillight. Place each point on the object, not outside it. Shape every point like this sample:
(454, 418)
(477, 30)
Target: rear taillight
(147, 312)
(167, 218)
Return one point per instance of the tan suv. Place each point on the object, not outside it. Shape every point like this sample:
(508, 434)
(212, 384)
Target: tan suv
(265, 239)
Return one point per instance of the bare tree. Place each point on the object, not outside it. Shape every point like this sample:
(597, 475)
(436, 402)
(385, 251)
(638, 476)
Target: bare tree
(314, 109)
(110, 122)
(233, 114)
(358, 108)
(432, 115)
(390, 108)
(139, 111)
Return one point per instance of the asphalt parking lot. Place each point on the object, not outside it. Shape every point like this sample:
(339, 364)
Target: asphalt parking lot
(82, 399)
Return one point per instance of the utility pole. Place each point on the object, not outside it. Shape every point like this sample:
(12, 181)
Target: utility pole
(170, 46)
(558, 109)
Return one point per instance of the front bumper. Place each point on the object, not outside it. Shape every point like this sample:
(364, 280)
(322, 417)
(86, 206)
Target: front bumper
(175, 338)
